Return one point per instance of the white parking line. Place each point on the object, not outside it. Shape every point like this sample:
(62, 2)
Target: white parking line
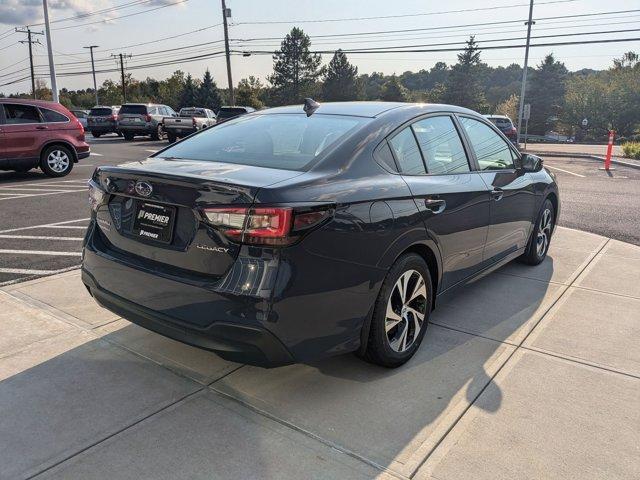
(70, 227)
(562, 170)
(49, 225)
(39, 195)
(40, 237)
(41, 252)
(27, 271)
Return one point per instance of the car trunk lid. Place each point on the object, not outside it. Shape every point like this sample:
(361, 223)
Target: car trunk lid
(155, 211)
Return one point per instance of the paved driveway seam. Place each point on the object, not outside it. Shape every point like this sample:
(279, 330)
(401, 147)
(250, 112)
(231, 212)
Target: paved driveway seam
(574, 277)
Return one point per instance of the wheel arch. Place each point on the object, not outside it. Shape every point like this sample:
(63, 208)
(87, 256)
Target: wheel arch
(64, 143)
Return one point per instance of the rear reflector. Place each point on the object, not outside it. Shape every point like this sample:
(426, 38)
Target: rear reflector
(264, 226)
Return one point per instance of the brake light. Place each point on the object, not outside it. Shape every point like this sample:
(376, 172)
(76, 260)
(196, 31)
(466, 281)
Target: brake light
(115, 117)
(512, 131)
(264, 226)
(193, 121)
(147, 118)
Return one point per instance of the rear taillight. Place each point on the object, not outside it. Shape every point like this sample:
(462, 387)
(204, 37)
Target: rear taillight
(147, 118)
(512, 131)
(97, 196)
(114, 117)
(193, 121)
(265, 226)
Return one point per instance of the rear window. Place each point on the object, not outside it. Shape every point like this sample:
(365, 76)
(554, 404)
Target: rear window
(289, 142)
(133, 109)
(192, 112)
(501, 122)
(100, 112)
(230, 112)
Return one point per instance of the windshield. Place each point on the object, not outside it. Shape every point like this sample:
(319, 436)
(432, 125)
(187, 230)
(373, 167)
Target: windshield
(289, 142)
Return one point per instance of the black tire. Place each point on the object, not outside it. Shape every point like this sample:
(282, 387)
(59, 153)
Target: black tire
(158, 134)
(128, 136)
(56, 161)
(537, 247)
(95, 134)
(171, 137)
(379, 346)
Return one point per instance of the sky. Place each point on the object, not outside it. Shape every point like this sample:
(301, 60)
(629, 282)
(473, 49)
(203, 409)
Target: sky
(75, 25)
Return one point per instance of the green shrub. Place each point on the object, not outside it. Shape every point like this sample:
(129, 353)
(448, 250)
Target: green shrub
(631, 150)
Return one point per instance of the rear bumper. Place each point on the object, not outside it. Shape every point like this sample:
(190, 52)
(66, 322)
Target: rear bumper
(146, 129)
(103, 128)
(180, 131)
(232, 342)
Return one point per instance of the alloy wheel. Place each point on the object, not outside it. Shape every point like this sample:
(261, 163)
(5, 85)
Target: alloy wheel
(58, 161)
(544, 233)
(405, 312)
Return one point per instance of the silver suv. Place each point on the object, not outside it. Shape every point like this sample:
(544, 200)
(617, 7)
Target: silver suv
(143, 119)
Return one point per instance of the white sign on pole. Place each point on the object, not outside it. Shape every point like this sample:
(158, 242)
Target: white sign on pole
(527, 111)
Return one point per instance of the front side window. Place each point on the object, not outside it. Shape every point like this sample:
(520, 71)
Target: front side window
(492, 152)
(51, 116)
(290, 142)
(16, 114)
(441, 145)
(407, 153)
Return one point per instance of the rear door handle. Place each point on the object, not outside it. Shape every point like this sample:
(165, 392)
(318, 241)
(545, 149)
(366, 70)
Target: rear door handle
(497, 194)
(42, 127)
(435, 205)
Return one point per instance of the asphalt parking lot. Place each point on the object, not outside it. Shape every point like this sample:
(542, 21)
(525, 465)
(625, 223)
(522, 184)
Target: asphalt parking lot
(43, 220)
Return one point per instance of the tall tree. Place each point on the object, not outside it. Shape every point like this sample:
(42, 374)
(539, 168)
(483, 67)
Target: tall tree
(340, 81)
(170, 90)
(546, 95)
(208, 95)
(509, 107)
(393, 91)
(249, 91)
(463, 85)
(189, 97)
(295, 68)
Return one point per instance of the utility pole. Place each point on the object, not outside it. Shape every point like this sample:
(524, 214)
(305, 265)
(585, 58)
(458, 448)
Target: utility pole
(120, 57)
(226, 12)
(52, 67)
(30, 42)
(93, 70)
(524, 71)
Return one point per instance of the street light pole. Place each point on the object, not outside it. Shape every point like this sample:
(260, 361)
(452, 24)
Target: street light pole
(225, 12)
(52, 67)
(524, 71)
(93, 71)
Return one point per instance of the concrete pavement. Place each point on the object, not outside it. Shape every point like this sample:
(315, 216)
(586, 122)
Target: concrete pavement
(532, 372)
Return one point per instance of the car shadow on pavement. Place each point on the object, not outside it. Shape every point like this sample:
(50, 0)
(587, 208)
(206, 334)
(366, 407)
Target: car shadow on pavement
(70, 391)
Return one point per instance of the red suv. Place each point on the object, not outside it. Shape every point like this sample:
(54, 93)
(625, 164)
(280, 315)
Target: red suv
(36, 133)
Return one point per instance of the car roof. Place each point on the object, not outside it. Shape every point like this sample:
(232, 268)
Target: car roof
(498, 116)
(30, 101)
(371, 109)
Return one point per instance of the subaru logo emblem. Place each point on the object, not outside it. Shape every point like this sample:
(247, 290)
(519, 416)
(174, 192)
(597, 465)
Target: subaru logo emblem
(144, 189)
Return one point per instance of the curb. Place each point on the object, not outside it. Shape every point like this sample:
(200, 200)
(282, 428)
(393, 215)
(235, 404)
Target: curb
(622, 163)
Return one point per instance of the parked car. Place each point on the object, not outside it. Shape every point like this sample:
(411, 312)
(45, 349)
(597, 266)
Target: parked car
(81, 115)
(280, 237)
(36, 133)
(103, 120)
(143, 119)
(188, 121)
(505, 125)
(227, 113)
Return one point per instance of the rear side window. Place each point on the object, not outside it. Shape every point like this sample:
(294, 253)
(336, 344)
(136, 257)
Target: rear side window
(290, 142)
(51, 116)
(441, 145)
(133, 109)
(16, 114)
(384, 157)
(407, 153)
(492, 152)
(100, 112)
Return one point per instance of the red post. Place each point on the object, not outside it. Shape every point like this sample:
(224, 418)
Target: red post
(607, 160)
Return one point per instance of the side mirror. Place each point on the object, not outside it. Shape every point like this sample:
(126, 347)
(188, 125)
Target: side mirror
(530, 163)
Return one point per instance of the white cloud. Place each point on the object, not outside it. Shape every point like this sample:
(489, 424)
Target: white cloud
(26, 12)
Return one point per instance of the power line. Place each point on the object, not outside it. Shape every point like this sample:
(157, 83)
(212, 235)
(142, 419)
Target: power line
(96, 12)
(327, 20)
(123, 16)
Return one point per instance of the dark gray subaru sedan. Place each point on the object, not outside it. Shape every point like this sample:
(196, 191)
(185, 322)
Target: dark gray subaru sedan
(295, 233)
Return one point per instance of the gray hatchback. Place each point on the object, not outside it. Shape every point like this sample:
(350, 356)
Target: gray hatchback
(143, 119)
